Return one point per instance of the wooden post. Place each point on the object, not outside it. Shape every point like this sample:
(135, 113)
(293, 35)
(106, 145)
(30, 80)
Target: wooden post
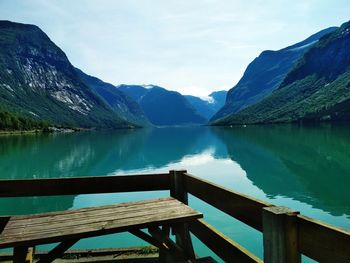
(280, 229)
(177, 189)
(181, 231)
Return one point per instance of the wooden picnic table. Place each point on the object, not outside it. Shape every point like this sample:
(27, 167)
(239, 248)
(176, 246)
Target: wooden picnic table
(68, 227)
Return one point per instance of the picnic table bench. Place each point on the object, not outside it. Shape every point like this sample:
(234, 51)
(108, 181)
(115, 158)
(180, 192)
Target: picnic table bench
(24, 232)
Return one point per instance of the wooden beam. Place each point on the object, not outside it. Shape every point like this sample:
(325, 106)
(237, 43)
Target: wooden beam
(280, 235)
(58, 251)
(84, 185)
(242, 207)
(323, 242)
(176, 252)
(164, 256)
(142, 235)
(227, 249)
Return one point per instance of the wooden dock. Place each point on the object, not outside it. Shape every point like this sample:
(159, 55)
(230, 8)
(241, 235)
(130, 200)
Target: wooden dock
(286, 233)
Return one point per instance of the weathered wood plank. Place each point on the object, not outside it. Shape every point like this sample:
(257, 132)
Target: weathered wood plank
(84, 185)
(323, 242)
(81, 228)
(242, 207)
(119, 219)
(227, 249)
(93, 212)
(280, 235)
(90, 220)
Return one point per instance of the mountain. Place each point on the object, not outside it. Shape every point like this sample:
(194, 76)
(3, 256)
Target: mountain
(264, 75)
(163, 107)
(316, 89)
(209, 106)
(37, 80)
(116, 99)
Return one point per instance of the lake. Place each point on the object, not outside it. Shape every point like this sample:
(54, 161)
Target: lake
(304, 168)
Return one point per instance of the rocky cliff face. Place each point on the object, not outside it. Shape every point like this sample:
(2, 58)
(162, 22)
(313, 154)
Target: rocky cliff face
(316, 89)
(119, 102)
(37, 79)
(264, 75)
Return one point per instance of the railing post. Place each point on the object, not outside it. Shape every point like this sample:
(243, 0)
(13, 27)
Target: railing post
(181, 230)
(280, 232)
(177, 189)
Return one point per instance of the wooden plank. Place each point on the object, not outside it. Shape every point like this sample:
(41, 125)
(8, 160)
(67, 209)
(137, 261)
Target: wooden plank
(91, 219)
(67, 229)
(242, 207)
(58, 251)
(323, 242)
(84, 185)
(280, 235)
(227, 249)
(86, 213)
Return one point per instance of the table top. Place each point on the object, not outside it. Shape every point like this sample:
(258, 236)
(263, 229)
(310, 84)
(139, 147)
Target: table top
(30, 230)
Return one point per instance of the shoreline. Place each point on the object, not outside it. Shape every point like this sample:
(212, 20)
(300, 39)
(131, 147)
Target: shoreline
(19, 132)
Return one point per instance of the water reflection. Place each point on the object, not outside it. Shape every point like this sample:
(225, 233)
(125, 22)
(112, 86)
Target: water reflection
(309, 164)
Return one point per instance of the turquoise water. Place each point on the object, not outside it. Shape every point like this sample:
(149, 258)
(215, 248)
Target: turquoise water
(305, 168)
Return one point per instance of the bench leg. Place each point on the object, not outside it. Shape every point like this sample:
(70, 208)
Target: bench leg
(183, 239)
(20, 254)
(164, 256)
(58, 251)
(172, 252)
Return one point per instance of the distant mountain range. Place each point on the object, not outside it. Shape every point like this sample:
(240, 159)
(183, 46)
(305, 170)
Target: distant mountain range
(37, 80)
(119, 102)
(317, 88)
(163, 107)
(308, 81)
(264, 75)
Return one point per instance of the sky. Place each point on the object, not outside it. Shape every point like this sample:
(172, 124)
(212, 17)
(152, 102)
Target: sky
(191, 46)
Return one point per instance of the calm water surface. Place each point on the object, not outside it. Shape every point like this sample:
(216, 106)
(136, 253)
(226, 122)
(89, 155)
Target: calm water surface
(305, 168)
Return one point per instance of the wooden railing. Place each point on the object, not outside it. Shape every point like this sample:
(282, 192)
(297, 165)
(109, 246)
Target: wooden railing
(286, 233)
